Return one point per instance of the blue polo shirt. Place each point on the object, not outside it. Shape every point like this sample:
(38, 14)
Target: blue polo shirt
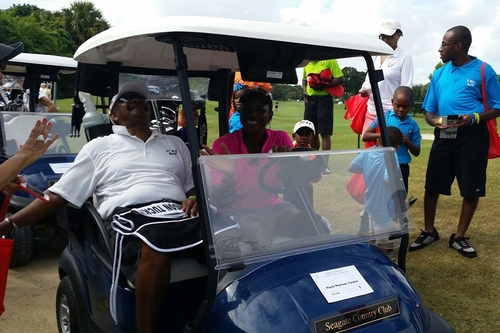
(408, 127)
(457, 90)
(377, 195)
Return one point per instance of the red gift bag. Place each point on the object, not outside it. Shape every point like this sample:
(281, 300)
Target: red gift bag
(356, 110)
(356, 187)
(494, 149)
(5, 252)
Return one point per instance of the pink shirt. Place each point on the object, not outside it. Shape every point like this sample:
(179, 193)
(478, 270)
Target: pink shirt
(246, 184)
(234, 142)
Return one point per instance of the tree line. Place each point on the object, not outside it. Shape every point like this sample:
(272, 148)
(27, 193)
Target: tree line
(56, 33)
(46, 32)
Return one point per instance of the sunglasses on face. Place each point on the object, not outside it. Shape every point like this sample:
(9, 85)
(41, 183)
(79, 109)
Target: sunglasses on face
(130, 97)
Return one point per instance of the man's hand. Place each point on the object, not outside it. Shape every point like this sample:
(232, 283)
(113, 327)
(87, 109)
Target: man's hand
(190, 207)
(464, 120)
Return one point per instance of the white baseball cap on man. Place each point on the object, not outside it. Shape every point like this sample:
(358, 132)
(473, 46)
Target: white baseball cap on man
(303, 123)
(138, 87)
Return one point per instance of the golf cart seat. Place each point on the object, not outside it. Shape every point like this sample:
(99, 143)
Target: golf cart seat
(91, 223)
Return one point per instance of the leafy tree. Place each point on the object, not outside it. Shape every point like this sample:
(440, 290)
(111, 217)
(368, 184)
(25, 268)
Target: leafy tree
(23, 10)
(40, 30)
(285, 92)
(417, 92)
(353, 81)
(83, 21)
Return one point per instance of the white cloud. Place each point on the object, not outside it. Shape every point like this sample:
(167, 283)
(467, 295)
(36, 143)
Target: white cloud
(424, 22)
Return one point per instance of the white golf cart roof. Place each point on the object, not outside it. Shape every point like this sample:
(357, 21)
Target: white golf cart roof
(135, 46)
(17, 65)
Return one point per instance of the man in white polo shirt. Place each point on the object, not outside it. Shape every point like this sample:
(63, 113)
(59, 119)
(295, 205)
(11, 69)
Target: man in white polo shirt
(129, 168)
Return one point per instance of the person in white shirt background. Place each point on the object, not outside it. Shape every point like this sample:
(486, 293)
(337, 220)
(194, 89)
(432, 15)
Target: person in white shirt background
(44, 103)
(397, 69)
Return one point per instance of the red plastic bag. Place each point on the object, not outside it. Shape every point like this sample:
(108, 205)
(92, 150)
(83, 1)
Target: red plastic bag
(356, 187)
(494, 148)
(356, 110)
(5, 252)
(336, 91)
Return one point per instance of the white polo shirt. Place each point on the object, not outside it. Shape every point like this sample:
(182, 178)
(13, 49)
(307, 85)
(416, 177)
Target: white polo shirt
(398, 71)
(39, 106)
(123, 170)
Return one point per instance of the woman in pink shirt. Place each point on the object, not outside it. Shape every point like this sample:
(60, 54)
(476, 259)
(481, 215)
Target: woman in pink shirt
(258, 211)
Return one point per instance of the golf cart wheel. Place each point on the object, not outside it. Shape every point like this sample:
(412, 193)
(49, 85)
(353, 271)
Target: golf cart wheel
(66, 310)
(24, 242)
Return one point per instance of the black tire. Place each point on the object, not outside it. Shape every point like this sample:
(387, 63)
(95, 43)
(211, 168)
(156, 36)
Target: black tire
(66, 309)
(24, 243)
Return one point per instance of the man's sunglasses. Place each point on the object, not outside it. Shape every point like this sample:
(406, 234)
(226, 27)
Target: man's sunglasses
(131, 96)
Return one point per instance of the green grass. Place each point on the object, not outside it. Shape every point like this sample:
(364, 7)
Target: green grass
(464, 291)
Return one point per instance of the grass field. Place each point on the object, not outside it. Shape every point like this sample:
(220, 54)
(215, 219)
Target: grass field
(465, 292)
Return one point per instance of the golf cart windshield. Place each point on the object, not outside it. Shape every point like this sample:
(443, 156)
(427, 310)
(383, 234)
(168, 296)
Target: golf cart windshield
(267, 206)
(16, 127)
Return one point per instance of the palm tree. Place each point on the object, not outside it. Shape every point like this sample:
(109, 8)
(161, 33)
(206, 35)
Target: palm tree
(82, 20)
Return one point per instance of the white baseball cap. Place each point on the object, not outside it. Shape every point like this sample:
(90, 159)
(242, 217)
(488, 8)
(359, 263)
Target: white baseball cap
(304, 123)
(138, 87)
(389, 27)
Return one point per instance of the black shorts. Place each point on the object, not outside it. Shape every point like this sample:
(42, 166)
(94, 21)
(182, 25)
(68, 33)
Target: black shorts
(465, 157)
(182, 236)
(319, 110)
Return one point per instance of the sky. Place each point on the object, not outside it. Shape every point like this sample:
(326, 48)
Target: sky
(423, 22)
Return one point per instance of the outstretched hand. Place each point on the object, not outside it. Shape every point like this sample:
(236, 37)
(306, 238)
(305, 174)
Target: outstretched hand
(38, 142)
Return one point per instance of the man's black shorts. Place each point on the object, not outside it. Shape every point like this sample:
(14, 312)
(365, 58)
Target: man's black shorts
(319, 110)
(179, 236)
(465, 157)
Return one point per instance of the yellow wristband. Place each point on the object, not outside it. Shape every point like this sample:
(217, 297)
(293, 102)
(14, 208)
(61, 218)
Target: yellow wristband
(192, 197)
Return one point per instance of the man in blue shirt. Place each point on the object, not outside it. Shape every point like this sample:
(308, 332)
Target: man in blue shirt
(461, 149)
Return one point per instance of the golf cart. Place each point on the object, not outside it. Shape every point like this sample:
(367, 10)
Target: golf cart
(32, 69)
(325, 274)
